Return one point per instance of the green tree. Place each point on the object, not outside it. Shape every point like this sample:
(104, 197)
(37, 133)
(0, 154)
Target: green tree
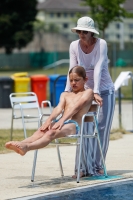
(105, 11)
(40, 28)
(16, 23)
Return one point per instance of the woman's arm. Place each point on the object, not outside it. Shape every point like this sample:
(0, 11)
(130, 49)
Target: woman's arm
(73, 63)
(101, 56)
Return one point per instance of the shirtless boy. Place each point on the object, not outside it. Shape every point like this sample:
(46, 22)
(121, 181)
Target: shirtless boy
(73, 105)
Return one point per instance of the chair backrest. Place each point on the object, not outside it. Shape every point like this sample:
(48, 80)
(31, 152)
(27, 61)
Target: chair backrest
(94, 108)
(27, 100)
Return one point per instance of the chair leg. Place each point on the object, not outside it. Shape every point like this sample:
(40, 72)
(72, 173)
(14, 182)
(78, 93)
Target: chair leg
(23, 122)
(35, 156)
(34, 166)
(59, 158)
(25, 133)
(11, 133)
(100, 148)
(80, 151)
(103, 161)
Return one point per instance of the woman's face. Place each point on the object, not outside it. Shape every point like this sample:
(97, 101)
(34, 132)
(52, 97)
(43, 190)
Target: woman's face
(84, 35)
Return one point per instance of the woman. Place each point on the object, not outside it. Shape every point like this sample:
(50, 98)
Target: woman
(91, 53)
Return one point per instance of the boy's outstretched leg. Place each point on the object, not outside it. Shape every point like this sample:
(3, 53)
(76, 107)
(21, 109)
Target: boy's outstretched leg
(22, 147)
(37, 135)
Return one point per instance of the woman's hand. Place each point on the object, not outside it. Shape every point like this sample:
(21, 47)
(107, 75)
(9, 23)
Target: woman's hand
(98, 99)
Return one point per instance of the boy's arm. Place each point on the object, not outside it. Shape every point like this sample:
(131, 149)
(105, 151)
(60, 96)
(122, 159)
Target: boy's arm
(55, 113)
(86, 98)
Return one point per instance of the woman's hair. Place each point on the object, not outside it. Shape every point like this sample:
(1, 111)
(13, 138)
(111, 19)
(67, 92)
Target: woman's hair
(80, 71)
(92, 34)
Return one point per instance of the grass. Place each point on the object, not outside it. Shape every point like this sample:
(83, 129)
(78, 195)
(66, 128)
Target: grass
(5, 137)
(18, 135)
(126, 91)
(118, 133)
(58, 70)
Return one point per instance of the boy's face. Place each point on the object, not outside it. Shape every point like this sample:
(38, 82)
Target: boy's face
(76, 82)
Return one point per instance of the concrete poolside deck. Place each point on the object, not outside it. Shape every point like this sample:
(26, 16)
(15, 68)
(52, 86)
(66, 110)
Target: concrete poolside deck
(15, 170)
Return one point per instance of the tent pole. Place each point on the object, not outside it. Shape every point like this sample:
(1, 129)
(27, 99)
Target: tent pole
(119, 101)
(132, 102)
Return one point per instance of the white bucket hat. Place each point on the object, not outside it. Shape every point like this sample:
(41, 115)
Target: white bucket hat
(85, 24)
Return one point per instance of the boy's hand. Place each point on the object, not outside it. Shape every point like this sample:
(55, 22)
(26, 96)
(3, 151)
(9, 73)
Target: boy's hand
(45, 126)
(58, 125)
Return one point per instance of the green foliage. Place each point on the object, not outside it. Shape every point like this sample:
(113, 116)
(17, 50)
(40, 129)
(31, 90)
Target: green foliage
(16, 23)
(53, 28)
(39, 25)
(103, 12)
(42, 27)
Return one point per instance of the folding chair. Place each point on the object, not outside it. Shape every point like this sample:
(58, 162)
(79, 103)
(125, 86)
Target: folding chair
(91, 116)
(22, 103)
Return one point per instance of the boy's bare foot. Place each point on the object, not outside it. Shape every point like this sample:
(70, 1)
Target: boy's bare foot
(18, 147)
(7, 145)
(81, 175)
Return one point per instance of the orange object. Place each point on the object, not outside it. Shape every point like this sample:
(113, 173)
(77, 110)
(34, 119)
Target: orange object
(39, 86)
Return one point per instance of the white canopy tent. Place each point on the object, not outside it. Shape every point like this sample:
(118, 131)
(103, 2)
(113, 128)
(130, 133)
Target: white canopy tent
(122, 80)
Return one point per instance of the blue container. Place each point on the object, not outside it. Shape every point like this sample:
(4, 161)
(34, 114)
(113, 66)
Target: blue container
(57, 86)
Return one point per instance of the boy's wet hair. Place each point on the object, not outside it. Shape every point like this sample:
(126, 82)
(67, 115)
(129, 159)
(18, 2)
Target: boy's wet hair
(80, 71)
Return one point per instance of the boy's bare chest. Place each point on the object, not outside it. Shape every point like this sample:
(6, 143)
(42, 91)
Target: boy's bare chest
(72, 98)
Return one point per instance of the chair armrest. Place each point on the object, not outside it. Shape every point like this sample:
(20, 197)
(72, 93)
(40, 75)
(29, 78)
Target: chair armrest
(43, 103)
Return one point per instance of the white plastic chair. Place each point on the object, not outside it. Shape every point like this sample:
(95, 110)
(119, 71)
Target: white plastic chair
(91, 116)
(22, 105)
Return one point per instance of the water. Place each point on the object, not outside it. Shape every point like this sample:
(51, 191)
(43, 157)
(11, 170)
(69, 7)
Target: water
(120, 190)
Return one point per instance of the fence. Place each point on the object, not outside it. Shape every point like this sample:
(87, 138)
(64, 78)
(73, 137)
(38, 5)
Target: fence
(36, 59)
(30, 60)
